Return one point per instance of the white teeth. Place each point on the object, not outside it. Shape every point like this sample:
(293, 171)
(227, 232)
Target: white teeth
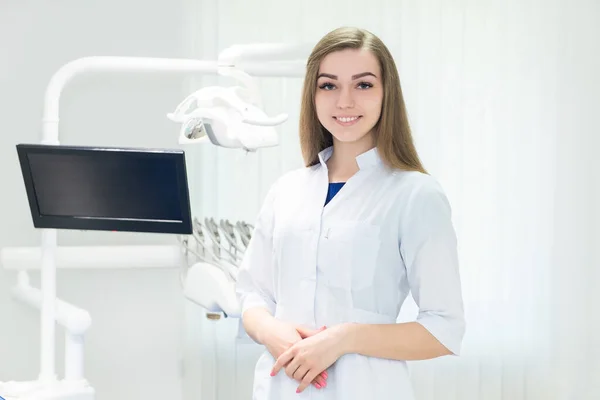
(349, 119)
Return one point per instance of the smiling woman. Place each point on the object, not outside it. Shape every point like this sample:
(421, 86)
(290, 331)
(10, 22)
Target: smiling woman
(356, 84)
(349, 100)
(339, 244)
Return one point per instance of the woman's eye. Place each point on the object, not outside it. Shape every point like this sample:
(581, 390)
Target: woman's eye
(330, 86)
(326, 86)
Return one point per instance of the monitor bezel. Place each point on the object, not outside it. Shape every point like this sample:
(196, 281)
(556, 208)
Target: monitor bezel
(183, 227)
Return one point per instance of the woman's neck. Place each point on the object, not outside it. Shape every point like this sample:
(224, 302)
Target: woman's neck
(342, 164)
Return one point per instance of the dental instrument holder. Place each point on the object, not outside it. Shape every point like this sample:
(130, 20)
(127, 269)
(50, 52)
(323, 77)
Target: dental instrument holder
(47, 386)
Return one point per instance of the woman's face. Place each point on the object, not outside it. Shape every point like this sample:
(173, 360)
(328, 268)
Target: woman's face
(349, 95)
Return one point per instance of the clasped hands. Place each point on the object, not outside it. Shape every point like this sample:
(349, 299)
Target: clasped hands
(304, 354)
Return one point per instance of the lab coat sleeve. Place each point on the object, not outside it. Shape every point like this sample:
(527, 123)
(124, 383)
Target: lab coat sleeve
(254, 286)
(428, 245)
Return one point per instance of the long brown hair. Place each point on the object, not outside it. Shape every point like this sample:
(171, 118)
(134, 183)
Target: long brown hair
(392, 132)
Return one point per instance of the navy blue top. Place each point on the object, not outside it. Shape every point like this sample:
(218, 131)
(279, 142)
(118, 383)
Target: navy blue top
(333, 189)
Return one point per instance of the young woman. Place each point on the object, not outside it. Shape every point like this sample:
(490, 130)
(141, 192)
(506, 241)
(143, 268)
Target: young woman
(338, 245)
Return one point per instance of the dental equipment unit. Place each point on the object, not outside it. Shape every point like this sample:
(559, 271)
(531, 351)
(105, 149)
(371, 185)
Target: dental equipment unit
(96, 188)
(221, 117)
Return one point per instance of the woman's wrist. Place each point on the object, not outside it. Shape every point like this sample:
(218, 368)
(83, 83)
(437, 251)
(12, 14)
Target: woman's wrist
(266, 324)
(258, 322)
(346, 337)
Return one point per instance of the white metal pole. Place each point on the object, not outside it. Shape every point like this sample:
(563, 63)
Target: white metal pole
(74, 320)
(74, 357)
(48, 311)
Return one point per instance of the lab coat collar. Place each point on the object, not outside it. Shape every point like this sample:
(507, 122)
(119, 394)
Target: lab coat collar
(370, 158)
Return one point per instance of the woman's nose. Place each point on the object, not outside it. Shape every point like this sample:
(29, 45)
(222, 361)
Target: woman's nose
(345, 99)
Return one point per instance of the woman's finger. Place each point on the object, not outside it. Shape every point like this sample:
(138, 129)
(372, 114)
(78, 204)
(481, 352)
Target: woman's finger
(300, 373)
(320, 381)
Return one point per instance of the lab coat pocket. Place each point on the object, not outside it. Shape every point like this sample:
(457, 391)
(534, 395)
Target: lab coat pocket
(350, 252)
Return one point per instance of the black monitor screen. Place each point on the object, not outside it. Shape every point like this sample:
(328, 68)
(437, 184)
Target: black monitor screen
(106, 188)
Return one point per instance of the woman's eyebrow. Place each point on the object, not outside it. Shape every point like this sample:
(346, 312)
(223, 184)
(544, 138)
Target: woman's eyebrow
(330, 76)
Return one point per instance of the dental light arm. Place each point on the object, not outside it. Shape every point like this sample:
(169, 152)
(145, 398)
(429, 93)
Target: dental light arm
(233, 117)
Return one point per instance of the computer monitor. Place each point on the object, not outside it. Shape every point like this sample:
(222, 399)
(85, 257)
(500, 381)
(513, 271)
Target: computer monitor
(106, 188)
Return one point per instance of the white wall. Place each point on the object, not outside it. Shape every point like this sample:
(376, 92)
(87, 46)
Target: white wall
(133, 348)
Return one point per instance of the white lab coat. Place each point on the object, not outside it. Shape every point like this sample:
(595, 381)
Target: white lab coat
(385, 234)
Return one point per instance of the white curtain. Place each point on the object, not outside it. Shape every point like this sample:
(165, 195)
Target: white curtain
(502, 97)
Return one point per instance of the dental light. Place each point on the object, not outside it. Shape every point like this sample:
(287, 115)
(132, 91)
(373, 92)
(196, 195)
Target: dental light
(227, 116)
